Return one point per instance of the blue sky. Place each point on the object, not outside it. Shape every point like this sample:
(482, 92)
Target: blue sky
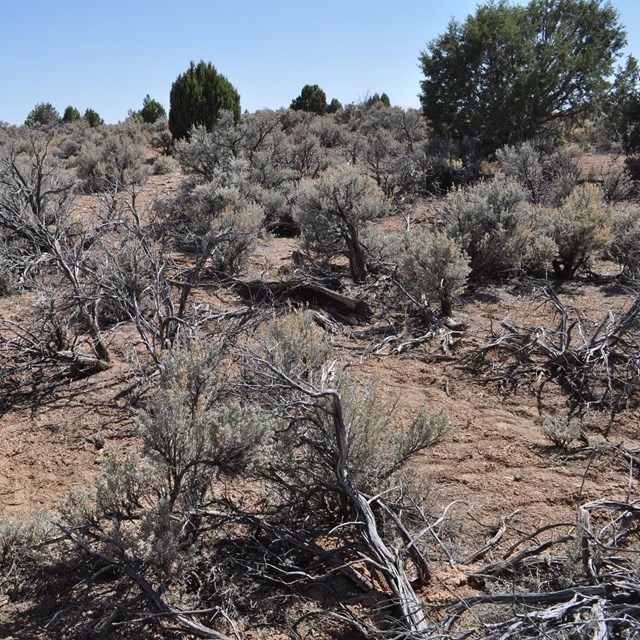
(107, 55)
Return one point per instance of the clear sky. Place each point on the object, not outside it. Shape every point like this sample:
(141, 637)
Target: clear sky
(108, 54)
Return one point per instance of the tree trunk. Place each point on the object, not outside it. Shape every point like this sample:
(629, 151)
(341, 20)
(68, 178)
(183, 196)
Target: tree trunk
(357, 261)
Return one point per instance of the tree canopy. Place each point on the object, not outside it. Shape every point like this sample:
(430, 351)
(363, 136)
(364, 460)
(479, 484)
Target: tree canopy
(198, 96)
(378, 99)
(151, 110)
(511, 73)
(43, 113)
(312, 99)
(71, 114)
(623, 113)
(93, 118)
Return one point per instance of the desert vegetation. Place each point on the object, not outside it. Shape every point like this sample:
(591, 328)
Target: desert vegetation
(336, 371)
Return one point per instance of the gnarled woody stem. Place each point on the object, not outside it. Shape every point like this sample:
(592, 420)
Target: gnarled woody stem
(388, 562)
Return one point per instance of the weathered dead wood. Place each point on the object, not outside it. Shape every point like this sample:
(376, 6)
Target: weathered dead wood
(22, 349)
(301, 291)
(180, 617)
(376, 554)
(490, 543)
(398, 344)
(605, 594)
(601, 370)
(389, 563)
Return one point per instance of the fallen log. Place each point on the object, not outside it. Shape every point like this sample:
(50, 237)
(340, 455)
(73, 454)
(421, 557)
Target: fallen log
(305, 291)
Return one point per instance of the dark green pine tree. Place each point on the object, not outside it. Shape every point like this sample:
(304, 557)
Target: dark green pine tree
(197, 98)
(71, 114)
(511, 73)
(312, 99)
(151, 110)
(44, 113)
(93, 118)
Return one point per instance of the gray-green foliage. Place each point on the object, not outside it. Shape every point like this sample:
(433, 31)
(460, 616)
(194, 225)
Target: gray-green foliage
(625, 242)
(240, 467)
(580, 230)
(433, 268)
(377, 447)
(160, 137)
(192, 431)
(224, 223)
(112, 159)
(547, 177)
(382, 248)
(388, 142)
(332, 212)
(296, 345)
(126, 272)
(498, 229)
(561, 431)
(164, 165)
(21, 539)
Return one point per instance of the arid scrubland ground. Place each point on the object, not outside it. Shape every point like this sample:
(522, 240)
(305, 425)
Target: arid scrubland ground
(242, 521)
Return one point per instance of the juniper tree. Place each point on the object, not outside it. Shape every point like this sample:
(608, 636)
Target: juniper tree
(198, 96)
(509, 73)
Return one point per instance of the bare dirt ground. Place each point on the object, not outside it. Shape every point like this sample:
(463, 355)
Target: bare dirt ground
(495, 460)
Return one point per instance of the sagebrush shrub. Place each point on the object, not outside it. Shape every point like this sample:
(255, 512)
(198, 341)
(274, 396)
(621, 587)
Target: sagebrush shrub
(113, 161)
(207, 154)
(382, 248)
(22, 542)
(616, 183)
(443, 165)
(523, 164)
(296, 345)
(192, 430)
(561, 431)
(625, 242)
(433, 268)
(497, 228)
(376, 450)
(332, 212)
(164, 165)
(580, 230)
(226, 221)
(548, 177)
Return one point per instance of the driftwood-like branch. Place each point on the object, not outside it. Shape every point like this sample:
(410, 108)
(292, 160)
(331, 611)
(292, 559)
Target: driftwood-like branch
(23, 349)
(600, 370)
(302, 291)
(380, 556)
(606, 596)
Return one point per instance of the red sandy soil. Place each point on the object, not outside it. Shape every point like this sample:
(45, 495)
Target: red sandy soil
(494, 461)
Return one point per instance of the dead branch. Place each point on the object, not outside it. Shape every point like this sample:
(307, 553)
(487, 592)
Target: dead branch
(607, 591)
(300, 290)
(600, 370)
(198, 629)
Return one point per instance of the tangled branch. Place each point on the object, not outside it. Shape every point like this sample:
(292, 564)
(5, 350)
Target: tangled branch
(600, 370)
